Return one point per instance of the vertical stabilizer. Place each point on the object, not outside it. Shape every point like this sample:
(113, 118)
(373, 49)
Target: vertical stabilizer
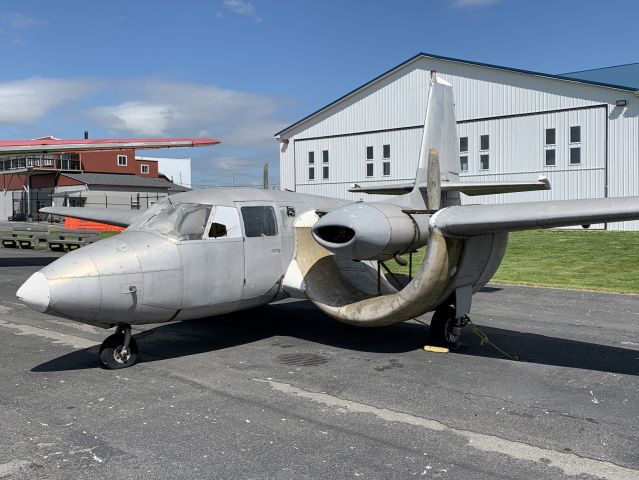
(439, 152)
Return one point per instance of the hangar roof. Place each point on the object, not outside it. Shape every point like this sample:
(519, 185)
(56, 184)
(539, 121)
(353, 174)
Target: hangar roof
(619, 75)
(567, 77)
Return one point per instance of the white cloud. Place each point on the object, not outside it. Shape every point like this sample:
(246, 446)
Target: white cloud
(245, 122)
(472, 3)
(241, 119)
(242, 7)
(137, 117)
(20, 21)
(23, 101)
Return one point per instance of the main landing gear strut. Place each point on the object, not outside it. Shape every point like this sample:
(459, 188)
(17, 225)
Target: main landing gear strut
(119, 350)
(445, 329)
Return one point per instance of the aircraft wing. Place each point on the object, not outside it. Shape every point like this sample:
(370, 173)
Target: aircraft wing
(52, 145)
(468, 188)
(470, 220)
(119, 218)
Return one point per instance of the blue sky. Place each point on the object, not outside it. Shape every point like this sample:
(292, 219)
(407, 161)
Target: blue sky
(241, 70)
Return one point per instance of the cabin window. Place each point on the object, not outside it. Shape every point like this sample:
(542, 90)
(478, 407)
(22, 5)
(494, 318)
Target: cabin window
(122, 160)
(463, 144)
(259, 221)
(484, 162)
(484, 142)
(463, 163)
(144, 169)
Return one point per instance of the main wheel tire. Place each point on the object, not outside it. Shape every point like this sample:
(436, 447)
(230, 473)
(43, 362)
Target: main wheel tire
(111, 356)
(442, 327)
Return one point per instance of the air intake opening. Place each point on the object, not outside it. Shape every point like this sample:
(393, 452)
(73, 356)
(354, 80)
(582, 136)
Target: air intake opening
(335, 234)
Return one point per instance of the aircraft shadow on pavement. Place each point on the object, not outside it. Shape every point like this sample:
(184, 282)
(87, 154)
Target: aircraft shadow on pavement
(302, 321)
(26, 261)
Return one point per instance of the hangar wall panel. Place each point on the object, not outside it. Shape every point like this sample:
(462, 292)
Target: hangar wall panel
(513, 108)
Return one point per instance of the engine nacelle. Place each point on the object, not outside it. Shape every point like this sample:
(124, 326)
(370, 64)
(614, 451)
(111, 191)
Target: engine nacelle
(371, 231)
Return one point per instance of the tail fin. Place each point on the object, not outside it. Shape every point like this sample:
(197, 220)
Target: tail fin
(439, 152)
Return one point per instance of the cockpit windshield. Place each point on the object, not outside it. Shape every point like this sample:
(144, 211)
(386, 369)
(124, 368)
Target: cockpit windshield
(181, 221)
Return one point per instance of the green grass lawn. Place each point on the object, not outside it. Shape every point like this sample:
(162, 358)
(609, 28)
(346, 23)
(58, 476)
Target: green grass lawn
(577, 259)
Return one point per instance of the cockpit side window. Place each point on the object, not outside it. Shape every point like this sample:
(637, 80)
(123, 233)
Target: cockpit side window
(259, 221)
(225, 223)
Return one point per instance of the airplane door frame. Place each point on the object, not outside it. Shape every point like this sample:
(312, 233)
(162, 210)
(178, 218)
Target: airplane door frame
(262, 255)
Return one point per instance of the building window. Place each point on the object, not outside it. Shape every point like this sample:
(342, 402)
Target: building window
(325, 156)
(144, 169)
(369, 162)
(575, 155)
(484, 142)
(325, 172)
(463, 144)
(369, 153)
(550, 136)
(369, 169)
(121, 160)
(463, 163)
(311, 173)
(386, 164)
(311, 157)
(550, 157)
(575, 134)
(484, 162)
(550, 141)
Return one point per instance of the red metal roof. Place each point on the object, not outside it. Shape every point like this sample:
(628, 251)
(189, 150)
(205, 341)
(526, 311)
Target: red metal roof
(79, 145)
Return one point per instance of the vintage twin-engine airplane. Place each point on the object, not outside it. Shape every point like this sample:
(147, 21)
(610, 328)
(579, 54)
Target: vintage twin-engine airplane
(209, 252)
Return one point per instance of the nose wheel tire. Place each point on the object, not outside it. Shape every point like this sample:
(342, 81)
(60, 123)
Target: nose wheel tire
(115, 354)
(446, 330)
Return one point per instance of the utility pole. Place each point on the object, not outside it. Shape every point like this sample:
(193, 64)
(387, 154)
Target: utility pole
(266, 176)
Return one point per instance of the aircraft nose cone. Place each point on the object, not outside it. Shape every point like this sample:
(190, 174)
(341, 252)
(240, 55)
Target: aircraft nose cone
(35, 292)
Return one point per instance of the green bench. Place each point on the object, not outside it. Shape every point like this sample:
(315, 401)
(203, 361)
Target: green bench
(30, 236)
(72, 239)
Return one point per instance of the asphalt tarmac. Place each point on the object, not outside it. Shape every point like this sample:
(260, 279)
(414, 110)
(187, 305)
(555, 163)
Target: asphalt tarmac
(283, 392)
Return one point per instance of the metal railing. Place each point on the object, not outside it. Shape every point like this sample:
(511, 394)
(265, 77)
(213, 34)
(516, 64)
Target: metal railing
(66, 162)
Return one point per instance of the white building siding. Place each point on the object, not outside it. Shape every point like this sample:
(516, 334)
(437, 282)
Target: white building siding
(513, 108)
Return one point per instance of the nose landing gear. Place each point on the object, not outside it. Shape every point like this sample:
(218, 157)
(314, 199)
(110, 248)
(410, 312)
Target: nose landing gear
(119, 350)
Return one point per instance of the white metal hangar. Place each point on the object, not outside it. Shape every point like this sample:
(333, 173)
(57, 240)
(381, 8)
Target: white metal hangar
(513, 125)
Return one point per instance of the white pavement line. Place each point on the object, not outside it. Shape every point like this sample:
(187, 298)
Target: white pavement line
(569, 463)
(57, 337)
(12, 467)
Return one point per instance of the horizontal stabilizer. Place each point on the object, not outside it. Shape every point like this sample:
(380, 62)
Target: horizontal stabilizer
(119, 218)
(469, 220)
(468, 188)
(54, 145)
